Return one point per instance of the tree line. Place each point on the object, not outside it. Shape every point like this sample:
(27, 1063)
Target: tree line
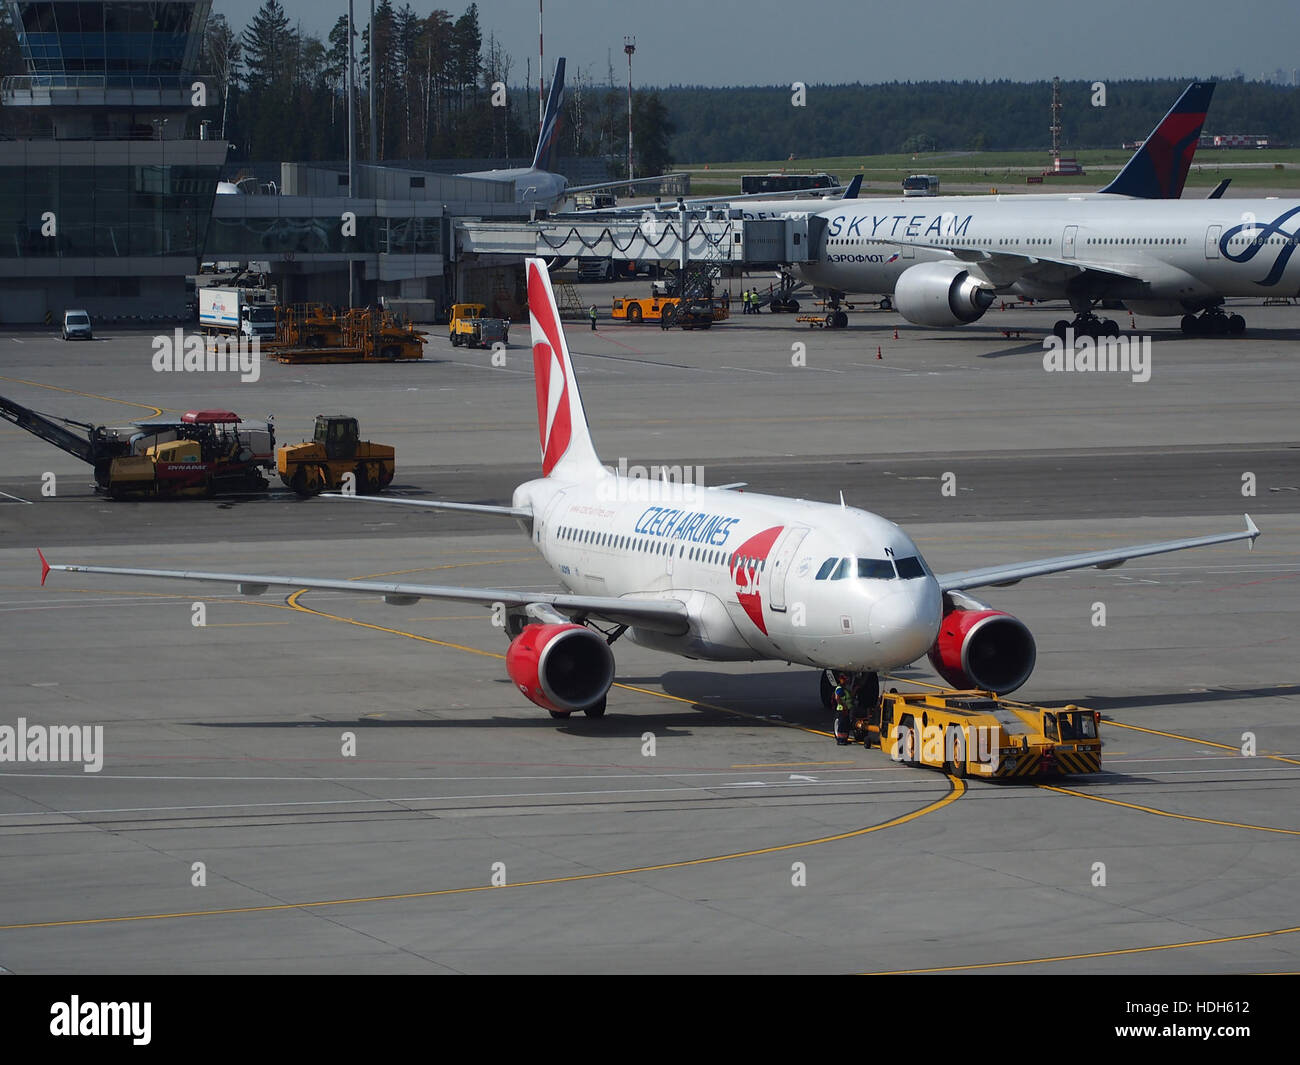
(280, 94)
(439, 91)
(838, 120)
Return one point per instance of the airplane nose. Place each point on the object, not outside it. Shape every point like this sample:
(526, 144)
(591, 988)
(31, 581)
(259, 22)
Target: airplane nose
(904, 623)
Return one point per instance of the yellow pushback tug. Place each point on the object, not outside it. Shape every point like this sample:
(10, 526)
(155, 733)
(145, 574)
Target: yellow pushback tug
(978, 734)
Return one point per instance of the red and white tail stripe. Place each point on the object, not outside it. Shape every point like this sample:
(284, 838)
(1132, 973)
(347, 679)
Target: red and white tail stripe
(561, 421)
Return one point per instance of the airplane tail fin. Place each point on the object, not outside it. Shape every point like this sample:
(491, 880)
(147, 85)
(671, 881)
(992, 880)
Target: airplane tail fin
(1158, 169)
(851, 193)
(548, 140)
(561, 422)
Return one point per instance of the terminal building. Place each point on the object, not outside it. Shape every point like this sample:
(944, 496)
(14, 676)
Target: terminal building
(111, 198)
(106, 197)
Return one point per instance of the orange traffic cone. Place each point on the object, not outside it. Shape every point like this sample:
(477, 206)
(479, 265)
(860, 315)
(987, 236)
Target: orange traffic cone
(895, 332)
(878, 354)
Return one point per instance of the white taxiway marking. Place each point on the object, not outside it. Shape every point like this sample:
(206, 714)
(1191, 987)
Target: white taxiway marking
(586, 795)
(16, 499)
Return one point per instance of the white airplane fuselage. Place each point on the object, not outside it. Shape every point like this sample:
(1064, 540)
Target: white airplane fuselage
(1176, 254)
(751, 568)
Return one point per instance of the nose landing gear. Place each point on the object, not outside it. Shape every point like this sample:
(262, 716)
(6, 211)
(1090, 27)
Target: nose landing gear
(859, 704)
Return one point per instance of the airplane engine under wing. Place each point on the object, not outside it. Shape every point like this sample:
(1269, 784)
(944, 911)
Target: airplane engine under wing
(985, 648)
(941, 294)
(561, 667)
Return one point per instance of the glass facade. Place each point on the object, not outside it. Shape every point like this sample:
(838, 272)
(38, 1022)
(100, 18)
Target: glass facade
(117, 38)
(105, 211)
(250, 237)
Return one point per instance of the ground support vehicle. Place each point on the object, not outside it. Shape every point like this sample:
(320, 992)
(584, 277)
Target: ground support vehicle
(200, 454)
(471, 327)
(981, 735)
(335, 450)
(363, 334)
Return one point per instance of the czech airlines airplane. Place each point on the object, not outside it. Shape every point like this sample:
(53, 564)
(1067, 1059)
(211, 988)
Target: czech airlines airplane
(709, 573)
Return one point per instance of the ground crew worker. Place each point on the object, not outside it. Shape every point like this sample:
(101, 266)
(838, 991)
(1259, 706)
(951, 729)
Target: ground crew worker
(744, 301)
(593, 317)
(844, 707)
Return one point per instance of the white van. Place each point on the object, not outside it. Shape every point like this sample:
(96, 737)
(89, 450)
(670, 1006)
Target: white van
(76, 324)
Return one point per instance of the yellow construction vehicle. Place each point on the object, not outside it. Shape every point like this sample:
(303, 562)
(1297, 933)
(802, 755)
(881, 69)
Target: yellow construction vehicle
(316, 334)
(307, 325)
(200, 454)
(981, 735)
(335, 452)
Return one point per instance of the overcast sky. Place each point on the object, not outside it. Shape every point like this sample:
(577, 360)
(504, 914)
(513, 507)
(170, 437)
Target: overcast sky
(767, 42)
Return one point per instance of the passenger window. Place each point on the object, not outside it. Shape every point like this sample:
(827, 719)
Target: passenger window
(826, 568)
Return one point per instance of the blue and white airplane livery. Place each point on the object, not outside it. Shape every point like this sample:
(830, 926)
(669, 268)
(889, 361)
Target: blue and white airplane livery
(708, 573)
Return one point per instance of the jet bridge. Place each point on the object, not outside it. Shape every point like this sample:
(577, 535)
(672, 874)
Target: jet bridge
(668, 237)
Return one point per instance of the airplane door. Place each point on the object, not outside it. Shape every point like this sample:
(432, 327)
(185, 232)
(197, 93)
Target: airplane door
(782, 558)
(1212, 242)
(909, 252)
(668, 562)
(1067, 242)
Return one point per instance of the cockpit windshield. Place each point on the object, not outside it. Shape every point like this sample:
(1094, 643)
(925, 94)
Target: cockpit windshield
(876, 569)
(910, 568)
(872, 569)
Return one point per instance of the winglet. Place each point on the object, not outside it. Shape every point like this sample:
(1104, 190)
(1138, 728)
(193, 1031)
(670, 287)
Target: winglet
(45, 567)
(1253, 529)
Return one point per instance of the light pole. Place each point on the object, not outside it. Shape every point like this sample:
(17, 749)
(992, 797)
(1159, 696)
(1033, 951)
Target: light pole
(629, 46)
(352, 142)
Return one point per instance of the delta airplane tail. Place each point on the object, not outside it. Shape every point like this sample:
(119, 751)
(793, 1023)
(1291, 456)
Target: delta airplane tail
(548, 140)
(1158, 170)
(567, 451)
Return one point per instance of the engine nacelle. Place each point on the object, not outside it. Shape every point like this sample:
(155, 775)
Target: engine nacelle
(561, 667)
(941, 294)
(986, 649)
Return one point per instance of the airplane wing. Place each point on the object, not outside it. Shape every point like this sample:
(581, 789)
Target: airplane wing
(660, 615)
(1003, 268)
(522, 513)
(1011, 573)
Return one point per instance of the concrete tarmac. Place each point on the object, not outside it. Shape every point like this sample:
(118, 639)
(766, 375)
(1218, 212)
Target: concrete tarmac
(356, 780)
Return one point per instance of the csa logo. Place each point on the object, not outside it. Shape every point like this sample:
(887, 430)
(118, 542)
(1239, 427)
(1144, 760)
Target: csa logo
(747, 565)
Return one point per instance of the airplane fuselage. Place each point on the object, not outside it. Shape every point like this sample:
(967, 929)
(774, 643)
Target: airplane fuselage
(1167, 254)
(763, 577)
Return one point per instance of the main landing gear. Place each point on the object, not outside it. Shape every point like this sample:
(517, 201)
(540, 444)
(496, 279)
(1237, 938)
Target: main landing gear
(1214, 322)
(1087, 324)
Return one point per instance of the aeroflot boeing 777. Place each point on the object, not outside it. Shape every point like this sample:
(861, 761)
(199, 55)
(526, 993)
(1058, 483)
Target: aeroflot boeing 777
(709, 573)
